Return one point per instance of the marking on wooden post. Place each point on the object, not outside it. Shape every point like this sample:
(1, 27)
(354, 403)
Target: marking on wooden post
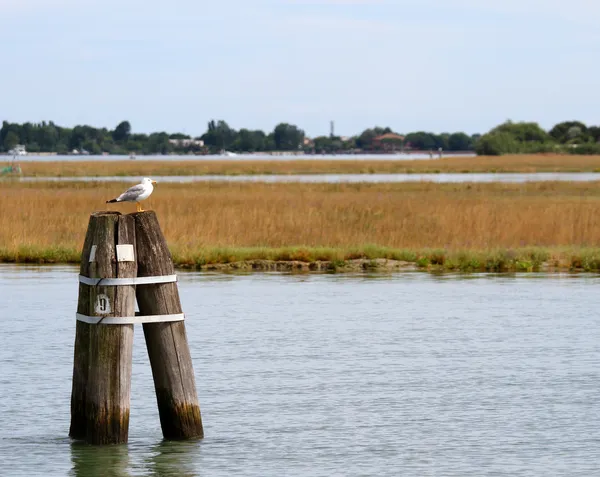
(125, 253)
(103, 305)
(93, 253)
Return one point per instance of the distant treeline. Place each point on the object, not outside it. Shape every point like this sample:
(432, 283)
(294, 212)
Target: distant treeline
(572, 136)
(514, 138)
(48, 137)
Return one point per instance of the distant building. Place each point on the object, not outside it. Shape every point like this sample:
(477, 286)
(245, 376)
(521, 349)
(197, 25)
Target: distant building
(19, 150)
(187, 142)
(308, 142)
(389, 142)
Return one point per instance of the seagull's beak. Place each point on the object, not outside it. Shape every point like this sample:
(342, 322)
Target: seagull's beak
(154, 182)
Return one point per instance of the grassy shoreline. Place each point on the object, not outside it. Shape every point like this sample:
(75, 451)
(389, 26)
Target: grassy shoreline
(369, 258)
(477, 164)
(325, 227)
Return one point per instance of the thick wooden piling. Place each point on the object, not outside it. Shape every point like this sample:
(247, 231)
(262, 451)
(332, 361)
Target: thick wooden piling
(167, 343)
(101, 388)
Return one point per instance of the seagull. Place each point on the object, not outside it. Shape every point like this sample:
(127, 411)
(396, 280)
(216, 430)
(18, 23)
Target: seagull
(136, 193)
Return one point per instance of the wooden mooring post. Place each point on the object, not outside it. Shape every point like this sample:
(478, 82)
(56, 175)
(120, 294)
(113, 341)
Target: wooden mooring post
(116, 267)
(102, 362)
(167, 343)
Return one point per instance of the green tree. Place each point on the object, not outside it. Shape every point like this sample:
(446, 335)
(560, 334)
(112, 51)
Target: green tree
(442, 140)
(6, 129)
(287, 137)
(496, 144)
(78, 136)
(219, 135)
(270, 142)
(523, 131)
(421, 140)
(92, 147)
(47, 137)
(459, 142)
(10, 140)
(158, 143)
(560, 132)
(122, 131)
(33, 147)
(365, 139)
(250, 141)
(329, 144)
(28, 134)
(594, 133)
(179, 136)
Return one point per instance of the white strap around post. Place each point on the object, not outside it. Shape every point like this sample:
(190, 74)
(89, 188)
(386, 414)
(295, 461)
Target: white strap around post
(129, 320)
(127, 281)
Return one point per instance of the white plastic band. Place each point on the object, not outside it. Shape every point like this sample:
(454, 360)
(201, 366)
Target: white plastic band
(129, 320)
(128, 281)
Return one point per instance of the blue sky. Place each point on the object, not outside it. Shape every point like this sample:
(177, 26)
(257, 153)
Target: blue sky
(435, 65)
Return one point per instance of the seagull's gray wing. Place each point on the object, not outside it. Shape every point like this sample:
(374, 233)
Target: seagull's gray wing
(131, 194)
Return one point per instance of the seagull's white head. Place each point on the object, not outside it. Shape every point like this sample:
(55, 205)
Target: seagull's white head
(147, 180)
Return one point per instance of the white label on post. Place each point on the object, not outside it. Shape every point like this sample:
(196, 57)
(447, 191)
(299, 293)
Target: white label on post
(125, 253)
(93, 253)
(102, 305)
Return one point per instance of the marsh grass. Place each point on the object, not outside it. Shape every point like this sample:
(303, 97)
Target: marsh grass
(469, 227)
(512, 163)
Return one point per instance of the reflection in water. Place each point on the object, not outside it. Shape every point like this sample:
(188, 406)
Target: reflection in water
(166, 458)
(174, 458)
(101, 461)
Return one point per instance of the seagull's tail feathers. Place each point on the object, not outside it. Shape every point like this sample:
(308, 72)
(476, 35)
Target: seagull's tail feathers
(111, 201)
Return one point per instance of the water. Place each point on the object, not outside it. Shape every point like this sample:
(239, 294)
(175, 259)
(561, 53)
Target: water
(354, 178)
(356, 375)
(244, 157)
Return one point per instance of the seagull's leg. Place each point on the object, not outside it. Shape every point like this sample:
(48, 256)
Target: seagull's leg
(139, 207)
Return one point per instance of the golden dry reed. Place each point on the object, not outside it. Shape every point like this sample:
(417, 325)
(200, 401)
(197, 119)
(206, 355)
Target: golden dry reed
(514, 163)
(223, 222)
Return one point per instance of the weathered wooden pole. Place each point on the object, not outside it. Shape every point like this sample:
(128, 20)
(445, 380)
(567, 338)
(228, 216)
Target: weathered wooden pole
(101, 389)
(166, 342)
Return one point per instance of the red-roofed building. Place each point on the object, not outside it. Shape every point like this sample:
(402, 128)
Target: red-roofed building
(389, 142)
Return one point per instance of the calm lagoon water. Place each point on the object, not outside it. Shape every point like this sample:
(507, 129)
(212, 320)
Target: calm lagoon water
(357, 375)
(354, 178)
(244, 157)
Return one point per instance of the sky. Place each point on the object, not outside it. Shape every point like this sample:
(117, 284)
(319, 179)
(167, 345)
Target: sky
(433, 65)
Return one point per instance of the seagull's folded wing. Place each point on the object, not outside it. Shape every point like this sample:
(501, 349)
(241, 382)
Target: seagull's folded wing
(132, 193)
